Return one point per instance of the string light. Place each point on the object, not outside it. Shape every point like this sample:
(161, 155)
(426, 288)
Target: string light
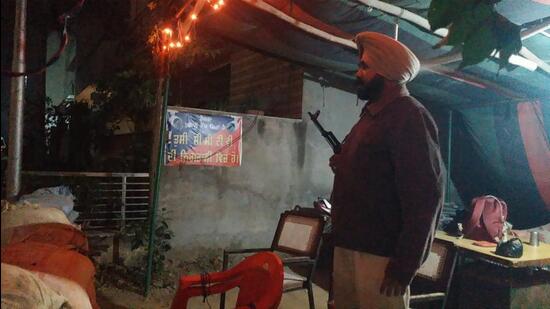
(167, 33)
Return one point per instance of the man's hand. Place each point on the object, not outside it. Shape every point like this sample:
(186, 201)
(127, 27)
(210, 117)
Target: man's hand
(333, 162)
(391, 287)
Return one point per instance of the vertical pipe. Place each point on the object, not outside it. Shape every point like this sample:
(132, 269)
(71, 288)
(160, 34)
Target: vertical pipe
(15, 133)
(123, 205)
(449, 150)
(156, 188)
(396, 30)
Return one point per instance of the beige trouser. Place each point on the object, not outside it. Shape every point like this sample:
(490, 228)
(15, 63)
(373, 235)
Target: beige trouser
(356, 282)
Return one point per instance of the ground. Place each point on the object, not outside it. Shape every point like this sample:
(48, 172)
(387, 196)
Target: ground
(120, 287)
(111, 297)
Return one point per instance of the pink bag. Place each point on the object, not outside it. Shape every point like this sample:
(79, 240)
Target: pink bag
(488, 216)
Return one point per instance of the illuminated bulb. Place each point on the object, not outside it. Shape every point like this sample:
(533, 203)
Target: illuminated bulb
(164, 47)
(168, 31)
(220, 2)
(178, 44)
(172, 45)
(187, 38)
(216, 6)
(194, 17)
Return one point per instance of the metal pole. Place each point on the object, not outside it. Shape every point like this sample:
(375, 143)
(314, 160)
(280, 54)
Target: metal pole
(15, 133)
(449, 149)
(156, 188)
(123, 205)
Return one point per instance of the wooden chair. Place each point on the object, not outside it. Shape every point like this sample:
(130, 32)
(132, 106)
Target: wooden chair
(298, 238)
(435, 275)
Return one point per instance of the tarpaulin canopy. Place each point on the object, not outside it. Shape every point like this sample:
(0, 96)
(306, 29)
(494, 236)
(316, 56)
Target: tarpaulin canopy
(488, 148)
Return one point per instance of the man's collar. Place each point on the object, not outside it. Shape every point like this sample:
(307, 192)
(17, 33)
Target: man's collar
(376, 107)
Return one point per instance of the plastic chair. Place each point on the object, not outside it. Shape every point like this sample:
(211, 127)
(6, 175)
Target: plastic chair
(298, 236)
(434, 277)
(259, 278)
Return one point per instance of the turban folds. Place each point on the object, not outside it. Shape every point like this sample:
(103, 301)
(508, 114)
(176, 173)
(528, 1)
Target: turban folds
(387, 57)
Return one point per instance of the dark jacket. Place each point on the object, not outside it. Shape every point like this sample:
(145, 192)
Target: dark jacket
(388, 186)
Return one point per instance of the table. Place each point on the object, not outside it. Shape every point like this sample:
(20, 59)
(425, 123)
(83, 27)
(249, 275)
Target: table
(532, 256)
(494, 281)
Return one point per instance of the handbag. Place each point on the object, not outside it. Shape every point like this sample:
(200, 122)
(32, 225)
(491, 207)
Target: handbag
(489, 214)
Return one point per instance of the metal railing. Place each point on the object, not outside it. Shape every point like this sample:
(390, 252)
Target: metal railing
(105, 201)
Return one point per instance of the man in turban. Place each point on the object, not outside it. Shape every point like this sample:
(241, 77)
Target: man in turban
(388, 183)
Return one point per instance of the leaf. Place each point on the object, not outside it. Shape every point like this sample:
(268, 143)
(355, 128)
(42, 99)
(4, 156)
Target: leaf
(469, 22)
(478, 47)
(443, 12)
(509, 39)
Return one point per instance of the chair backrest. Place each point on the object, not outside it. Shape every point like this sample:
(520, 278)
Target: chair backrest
(437, 271)
(259, 278)
(299, 232)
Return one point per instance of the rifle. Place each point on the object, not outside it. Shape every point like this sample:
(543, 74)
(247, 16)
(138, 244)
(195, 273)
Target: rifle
(331, 139)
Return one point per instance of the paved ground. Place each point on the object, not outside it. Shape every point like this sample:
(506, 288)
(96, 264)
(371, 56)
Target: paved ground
(114, 298)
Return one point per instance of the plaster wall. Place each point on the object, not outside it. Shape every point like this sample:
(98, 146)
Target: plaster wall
(284, 163)
(60, 79)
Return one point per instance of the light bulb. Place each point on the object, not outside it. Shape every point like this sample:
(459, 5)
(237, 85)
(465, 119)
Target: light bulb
(187, 38)
(194, 16)
(178, 44)
(216, 6)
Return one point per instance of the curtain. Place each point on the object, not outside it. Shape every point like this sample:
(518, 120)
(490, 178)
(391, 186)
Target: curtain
(537, 146)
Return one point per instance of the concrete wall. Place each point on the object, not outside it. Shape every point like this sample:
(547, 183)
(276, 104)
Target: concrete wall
(60, 79)
(285, 162)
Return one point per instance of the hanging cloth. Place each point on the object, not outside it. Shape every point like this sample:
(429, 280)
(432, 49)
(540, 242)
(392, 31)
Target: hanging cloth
(537, 146)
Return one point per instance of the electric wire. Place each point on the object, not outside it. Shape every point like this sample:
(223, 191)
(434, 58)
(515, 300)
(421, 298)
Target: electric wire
(62, 19)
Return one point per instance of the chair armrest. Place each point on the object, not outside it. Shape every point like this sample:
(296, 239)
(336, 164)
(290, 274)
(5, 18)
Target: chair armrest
(414, 299)
(298, 260)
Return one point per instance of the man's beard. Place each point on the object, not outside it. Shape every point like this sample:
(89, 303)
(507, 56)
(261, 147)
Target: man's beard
(371, 90)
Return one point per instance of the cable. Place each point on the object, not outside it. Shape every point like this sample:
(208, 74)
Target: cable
(72, 12)
(62, 19)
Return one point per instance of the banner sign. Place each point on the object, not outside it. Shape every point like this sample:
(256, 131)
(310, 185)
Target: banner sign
(196, 139)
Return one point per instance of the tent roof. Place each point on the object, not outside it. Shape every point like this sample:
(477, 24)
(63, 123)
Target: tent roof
(480, 84)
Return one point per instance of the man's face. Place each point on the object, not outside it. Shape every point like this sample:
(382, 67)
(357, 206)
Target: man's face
(369, 83)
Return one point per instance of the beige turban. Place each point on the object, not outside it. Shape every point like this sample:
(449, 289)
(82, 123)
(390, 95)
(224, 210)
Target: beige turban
(387, 57)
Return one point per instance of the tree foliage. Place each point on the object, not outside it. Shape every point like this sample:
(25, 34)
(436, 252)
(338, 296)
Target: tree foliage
(476, 27)
(80, 134)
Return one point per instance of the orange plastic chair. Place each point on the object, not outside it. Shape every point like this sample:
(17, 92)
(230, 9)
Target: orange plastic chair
(259, 278)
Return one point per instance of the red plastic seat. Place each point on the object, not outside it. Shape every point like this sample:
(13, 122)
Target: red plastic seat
(259, 278)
